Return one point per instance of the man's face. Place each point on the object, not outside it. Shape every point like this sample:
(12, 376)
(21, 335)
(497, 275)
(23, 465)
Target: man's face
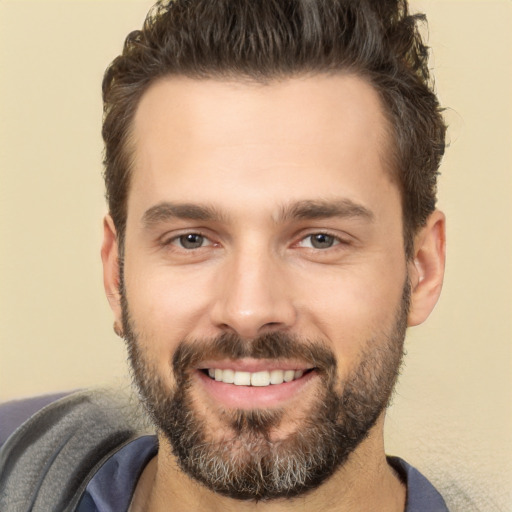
(263, 243)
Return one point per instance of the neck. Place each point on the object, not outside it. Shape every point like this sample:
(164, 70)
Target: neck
(365, 482)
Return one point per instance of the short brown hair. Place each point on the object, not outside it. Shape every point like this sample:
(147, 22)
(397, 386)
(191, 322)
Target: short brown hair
(273, 39)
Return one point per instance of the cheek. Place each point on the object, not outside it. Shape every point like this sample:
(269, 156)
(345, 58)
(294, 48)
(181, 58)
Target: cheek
(352, 309)
(165, 306)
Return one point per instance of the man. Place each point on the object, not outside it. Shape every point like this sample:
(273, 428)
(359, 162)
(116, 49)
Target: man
(271, 177)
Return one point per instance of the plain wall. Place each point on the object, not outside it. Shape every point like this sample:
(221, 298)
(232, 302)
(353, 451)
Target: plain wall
(452, 413)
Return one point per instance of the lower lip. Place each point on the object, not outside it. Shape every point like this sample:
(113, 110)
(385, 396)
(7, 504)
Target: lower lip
(254, 397)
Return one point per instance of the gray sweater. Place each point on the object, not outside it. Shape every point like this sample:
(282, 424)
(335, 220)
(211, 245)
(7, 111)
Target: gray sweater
(46, 464)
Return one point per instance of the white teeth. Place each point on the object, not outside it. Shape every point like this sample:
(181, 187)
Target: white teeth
(228, 376)
(261, 379)
(242, 379)
(276, 377)
(289, 375)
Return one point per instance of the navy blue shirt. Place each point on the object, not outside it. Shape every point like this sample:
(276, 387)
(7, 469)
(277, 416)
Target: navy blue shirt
(112, 487)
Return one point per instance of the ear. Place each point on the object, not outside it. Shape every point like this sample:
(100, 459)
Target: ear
(110, 259)
(426, 270)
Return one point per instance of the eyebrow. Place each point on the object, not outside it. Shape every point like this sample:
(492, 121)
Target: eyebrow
(300, 210)
(321, 209)
(166, 211)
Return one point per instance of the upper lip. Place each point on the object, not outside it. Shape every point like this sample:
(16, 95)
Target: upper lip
(254, 365)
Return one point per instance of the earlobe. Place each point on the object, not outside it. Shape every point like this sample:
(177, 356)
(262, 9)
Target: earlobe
(110, 259)
(426, 270)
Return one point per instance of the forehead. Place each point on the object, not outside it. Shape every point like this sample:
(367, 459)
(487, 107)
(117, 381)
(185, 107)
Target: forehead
(199, 137)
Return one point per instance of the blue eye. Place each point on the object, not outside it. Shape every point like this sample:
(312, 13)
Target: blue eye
(319, 241)
(191, 241)
(322, 241)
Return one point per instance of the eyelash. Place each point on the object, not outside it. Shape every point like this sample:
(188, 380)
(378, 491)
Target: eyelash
(336, 240)
(175, 240)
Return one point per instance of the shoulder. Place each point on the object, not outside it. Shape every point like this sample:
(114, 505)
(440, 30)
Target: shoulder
(422, 496)
(49, 459)
(15, 412)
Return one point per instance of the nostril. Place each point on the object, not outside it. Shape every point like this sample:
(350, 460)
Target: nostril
(249, 319)
(271, 325)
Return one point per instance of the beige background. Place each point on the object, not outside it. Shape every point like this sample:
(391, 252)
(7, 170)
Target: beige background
(452, 415)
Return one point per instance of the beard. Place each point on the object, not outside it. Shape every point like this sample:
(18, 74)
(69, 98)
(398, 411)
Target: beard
(246, 461)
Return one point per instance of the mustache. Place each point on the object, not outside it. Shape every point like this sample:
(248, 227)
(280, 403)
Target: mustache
(276, 345)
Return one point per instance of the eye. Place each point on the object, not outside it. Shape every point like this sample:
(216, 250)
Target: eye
(191, 241)
(319, 241)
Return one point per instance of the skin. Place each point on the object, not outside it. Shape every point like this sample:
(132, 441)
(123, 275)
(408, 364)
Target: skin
(251, 152)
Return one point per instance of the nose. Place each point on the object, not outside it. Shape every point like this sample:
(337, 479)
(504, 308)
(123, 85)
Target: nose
(252, 296)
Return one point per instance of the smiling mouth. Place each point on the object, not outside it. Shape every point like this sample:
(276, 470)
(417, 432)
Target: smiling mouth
(255, 379)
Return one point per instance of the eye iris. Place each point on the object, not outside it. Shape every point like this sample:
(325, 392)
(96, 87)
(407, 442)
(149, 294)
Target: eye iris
(191, 241)
(322, 241)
